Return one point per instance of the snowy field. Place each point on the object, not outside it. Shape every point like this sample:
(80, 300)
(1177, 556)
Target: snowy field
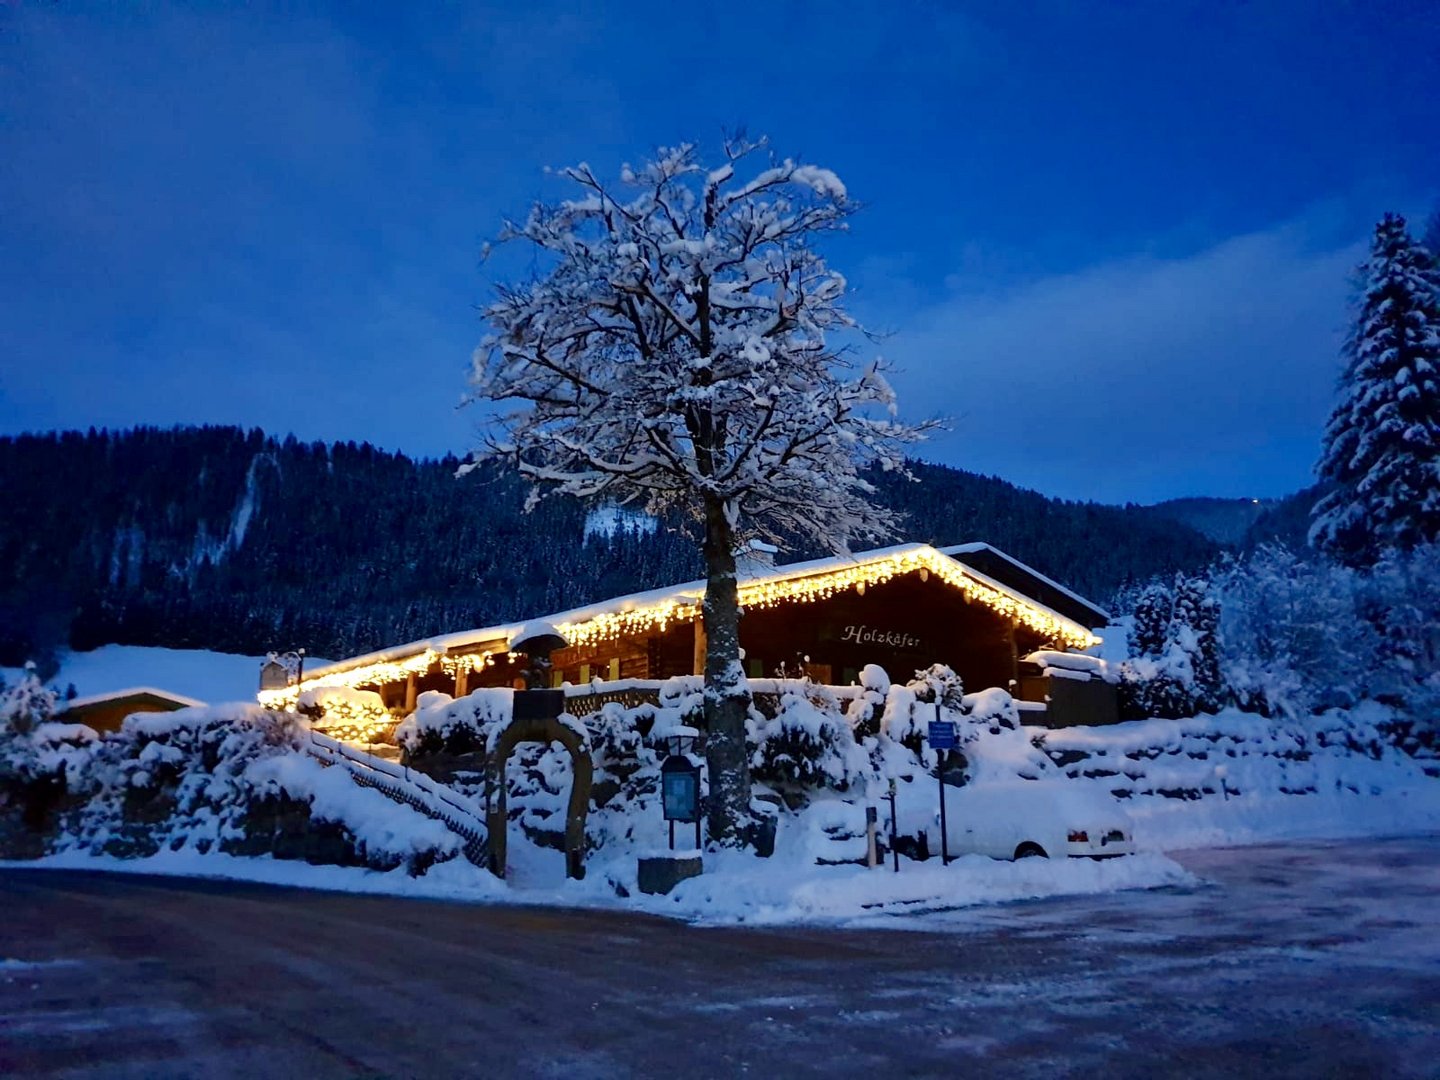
(210, 677)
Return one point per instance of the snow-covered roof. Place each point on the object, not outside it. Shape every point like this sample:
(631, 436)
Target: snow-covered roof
(961, 550)
(180, 700)
(689, 595)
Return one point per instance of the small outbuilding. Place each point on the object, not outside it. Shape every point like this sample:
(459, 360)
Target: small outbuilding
(106, 712)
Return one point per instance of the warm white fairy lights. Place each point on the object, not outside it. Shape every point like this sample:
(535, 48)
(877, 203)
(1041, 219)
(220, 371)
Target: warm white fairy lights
(768, 592)
(380, 673)
(656, 618)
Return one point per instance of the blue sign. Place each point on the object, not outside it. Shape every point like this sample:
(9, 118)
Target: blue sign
(942, 735)
(680, 789)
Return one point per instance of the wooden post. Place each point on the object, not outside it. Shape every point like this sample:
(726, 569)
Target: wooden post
(410, 694)
(1014, 658)
(462, 680)
(699, 659)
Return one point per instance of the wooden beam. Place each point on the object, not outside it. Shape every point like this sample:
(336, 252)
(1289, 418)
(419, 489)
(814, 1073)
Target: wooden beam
(700, 642)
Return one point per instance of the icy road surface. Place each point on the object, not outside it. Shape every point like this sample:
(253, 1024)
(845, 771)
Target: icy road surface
(1300, 960)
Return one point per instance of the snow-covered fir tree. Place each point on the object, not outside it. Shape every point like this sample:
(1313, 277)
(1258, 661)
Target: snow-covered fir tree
(1430, 238)
(1195, 627)
(1152, 620)
(1174, 668)
(676, 352)
(1382, 443)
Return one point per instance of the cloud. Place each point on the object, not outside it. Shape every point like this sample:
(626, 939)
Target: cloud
(1142, 378)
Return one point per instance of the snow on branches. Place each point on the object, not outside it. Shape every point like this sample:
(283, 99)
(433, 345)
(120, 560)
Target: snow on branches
(677, 351)
(1382, 443)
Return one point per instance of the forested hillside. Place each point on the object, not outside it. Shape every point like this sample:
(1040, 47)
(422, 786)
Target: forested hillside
(231, 540)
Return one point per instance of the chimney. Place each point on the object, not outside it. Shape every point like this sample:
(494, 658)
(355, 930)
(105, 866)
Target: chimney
(755, 559)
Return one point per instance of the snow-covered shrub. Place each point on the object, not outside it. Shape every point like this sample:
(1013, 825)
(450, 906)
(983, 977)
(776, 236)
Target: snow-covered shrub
(684, 697)
(43, 765)
(991, 711)
(1174, 669)
(910, 708)
(177, 779)
(938, 683)
(866, 711)
(237, 779)
(618, 750)
(442, 725)
(345, 713)
(807, 744)
(1294, 640)
(1303, 635)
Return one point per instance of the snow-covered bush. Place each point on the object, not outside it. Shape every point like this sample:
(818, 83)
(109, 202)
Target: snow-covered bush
(1174, 669)
(443, 725)
(904, 721)
(43, 765)
(1294, 638)
(807, 744)
(177, 779)
(345, 713)
(866, 711)
(991, 711)
(234, 779)
(1302, 635)
(617, 747)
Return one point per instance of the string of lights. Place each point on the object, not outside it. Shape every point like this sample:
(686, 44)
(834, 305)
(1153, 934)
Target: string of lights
(762, 593)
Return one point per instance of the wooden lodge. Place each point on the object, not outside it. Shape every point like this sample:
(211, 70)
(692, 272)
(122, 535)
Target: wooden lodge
(904, 608)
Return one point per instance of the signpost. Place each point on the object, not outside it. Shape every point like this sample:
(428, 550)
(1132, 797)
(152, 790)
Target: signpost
(942, 738)
(680, 793)
(894, 829)
(680, 783)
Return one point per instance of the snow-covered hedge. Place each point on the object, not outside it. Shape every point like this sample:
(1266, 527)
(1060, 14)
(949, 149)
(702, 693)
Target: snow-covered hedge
(442, 724)
(235, 779)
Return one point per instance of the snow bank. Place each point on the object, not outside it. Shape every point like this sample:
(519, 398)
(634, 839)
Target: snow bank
(1237, 778)
(384, 827)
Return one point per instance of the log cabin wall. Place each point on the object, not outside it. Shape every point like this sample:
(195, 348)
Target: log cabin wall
(903, 625)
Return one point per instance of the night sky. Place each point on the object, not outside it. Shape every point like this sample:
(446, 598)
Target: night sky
(1113, 243)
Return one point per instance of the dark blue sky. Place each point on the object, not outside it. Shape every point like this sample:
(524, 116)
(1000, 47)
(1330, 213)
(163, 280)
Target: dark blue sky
(1111, 242)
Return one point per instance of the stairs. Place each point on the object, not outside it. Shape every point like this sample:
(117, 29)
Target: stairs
(413, 789)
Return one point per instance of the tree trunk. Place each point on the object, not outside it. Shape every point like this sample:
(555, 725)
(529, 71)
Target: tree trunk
(727, 694)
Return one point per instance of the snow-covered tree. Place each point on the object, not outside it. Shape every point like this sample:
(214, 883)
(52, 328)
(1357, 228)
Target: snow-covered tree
(1174, 664)
(1195, 627)
(26, 705)
(1430, 238)
(1151, 624)
(1382, 443)
(676, 351)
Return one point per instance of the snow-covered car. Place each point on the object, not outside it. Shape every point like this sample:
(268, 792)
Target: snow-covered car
(1023, 818)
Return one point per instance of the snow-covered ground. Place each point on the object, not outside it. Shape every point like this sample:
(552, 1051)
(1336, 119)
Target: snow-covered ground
(735, 889)
(211, 677)
(1212, 781)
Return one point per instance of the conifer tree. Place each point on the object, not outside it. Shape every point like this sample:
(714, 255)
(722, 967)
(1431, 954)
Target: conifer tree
(1152, 620)
(1382, 443)
(1195, 627)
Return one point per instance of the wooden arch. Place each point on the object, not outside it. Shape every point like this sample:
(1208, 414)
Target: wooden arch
(542, 730)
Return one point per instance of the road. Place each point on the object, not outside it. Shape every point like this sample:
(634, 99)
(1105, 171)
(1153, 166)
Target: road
(1310, 960)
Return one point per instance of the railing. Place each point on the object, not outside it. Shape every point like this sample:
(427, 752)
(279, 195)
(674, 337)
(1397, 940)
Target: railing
(589, 698)
(412, 788)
